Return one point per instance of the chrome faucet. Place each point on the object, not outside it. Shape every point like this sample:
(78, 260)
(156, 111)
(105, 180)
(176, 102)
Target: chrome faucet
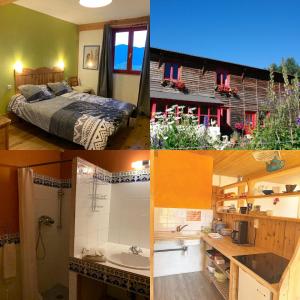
(135, 250)
(179, 228)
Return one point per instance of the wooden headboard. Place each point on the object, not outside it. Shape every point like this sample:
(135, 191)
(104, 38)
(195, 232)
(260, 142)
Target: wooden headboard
(38, 76)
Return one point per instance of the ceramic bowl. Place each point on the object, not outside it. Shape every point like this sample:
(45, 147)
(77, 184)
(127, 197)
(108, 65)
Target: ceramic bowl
(290, 187)
(268, 192)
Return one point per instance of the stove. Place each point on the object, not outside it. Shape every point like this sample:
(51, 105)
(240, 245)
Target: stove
(268, 266)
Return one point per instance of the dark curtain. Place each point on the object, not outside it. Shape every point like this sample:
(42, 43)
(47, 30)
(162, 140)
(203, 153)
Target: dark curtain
(144, 91)
(105, 84)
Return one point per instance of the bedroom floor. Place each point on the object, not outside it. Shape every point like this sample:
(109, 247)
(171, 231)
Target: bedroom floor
(24, 136)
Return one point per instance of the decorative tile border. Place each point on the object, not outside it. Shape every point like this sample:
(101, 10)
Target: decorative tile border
(131, 176)
(131, 282)
(124, 177)
(9, 238)
(52, 182)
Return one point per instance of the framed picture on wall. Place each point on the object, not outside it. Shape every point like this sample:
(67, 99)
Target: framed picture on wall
(91, 57)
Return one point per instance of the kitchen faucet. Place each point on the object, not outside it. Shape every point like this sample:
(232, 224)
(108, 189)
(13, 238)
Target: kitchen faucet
(135, 250)
(179, 228)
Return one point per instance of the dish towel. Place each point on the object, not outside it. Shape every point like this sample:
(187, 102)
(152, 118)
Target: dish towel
(9, 261)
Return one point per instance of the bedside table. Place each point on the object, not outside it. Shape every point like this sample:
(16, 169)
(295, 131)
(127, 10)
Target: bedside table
(83, 89)
(4, 136)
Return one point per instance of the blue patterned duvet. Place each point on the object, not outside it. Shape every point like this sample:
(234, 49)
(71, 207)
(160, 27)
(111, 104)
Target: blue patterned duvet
(84, 119)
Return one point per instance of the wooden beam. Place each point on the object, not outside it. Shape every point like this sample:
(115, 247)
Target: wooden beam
(4, 2)
(122, 22)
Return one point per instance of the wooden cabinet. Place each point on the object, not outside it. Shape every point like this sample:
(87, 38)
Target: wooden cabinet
(4, 136)
(181, 179)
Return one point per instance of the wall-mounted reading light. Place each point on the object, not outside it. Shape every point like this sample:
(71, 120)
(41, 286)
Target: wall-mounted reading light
(18, 67)
(61, 65)
(140, 164)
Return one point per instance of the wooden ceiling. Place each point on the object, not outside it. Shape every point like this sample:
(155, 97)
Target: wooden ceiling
(242, 163)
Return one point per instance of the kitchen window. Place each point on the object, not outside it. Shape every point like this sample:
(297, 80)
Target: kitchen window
(129, 48)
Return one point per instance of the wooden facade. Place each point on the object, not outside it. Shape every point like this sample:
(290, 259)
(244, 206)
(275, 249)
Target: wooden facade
(199, 76)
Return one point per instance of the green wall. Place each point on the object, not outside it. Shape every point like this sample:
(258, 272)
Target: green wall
(37, 40)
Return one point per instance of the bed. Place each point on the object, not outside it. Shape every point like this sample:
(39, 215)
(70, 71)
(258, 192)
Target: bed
(87, 120)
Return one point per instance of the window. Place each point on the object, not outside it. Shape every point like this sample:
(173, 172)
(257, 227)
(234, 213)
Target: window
(223, 78)
(250, 121)
(129, 48)
(171, 72)
(209, 115)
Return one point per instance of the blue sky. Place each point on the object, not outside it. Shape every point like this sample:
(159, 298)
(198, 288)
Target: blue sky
(255, 32)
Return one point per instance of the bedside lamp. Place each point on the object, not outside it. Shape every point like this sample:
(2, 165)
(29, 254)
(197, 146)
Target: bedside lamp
(18, 67)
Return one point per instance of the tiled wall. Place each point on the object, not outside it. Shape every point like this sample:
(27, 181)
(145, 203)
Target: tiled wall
(53, 269)
(129, 214)
(166, 219)
(124, 217)
(170, 263)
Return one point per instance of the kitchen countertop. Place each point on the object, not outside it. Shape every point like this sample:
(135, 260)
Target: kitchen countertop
(225, 246)
(229, 249)
(174, 235)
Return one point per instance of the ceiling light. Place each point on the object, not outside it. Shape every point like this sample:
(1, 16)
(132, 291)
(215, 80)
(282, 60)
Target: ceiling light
(95, 3)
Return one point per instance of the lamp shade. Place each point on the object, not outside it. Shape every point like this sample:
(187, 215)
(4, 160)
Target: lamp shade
(95, 3)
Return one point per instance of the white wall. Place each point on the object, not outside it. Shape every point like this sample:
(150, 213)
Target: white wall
(126, 87)
(130, 214)
(220, 180)
(88, 77)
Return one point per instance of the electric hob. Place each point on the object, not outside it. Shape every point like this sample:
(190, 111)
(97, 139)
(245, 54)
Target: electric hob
(268, 266)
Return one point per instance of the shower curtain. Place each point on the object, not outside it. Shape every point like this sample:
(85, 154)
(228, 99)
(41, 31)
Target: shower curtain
(30, 289)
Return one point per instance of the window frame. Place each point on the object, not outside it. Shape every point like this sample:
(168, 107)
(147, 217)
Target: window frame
(222, 72)
(131, 31)
(172, 72)
(168, 103)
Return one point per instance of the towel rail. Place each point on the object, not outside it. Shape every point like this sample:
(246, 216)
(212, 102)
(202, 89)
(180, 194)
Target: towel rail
(184, 249)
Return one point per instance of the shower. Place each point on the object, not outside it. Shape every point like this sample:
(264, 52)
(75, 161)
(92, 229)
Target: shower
(42, 221)
(46, 220)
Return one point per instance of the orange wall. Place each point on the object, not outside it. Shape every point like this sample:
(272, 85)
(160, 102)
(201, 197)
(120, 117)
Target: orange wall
(110, 160)
(181, 179)
(9, 206)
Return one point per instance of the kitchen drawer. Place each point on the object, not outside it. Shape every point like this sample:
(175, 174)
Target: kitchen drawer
(250, 289)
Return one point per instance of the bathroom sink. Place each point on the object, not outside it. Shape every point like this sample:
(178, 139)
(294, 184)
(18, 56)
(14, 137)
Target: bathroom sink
(129, 260)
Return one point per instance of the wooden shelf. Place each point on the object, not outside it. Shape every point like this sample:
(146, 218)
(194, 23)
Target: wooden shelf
(293, 194)
(278, 195)
(221, 268)
(263, 217)
(222, 287)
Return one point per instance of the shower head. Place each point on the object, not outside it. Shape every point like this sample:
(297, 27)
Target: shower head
(46, 220)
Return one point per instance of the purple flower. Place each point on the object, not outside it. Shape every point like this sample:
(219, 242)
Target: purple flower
(298, 121)
(206, 121)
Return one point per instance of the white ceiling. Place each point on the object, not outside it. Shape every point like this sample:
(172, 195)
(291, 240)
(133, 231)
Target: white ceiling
(71, 11)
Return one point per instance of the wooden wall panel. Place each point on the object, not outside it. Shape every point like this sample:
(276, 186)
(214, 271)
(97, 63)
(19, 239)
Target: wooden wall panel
(279, 237)
(252, 92)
